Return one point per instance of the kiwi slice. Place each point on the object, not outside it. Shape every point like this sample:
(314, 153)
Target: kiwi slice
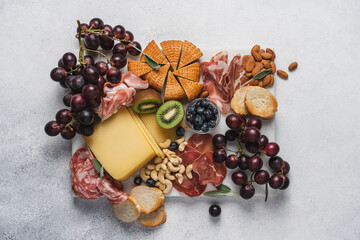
(170, 114)
(147, 101)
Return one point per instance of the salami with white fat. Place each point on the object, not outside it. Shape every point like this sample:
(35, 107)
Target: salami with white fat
(84, 182)
(110, 190)
(80, 157)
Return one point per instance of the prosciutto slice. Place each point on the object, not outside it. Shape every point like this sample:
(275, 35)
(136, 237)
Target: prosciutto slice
(208, 170)
(132, 80)
(200, 142)
(237, 73)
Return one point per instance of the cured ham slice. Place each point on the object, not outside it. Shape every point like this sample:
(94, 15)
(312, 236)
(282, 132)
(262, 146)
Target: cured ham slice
(84, 182)
(80, 157)
(237, 73)
(200, 142)
(112, 192)
(133, 80)
(208, 170)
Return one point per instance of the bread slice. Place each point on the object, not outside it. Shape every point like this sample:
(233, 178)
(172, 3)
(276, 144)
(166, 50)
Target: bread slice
(149, 198)
(238, 101)
(173, 89)
(260, 102)
(189, 54)
(153, 219)
(191, 72)
(127, 211)
(192, 89)
(153, 50)
(157, 78)
(139, 68)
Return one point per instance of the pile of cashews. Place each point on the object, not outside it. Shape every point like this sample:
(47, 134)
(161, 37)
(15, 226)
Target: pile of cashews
(163, 171)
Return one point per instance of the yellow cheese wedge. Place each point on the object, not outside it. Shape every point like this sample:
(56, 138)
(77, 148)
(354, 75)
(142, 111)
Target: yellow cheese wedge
(160, 134)
(123, 144)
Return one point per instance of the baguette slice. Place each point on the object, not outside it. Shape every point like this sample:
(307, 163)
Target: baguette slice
(153, 219)
(149, 198)
(260, 102)
(127, 211)
(238, 101)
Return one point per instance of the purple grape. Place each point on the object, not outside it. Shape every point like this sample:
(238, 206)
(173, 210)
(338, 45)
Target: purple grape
(118, 61)
(276, 163)
(286, 167)
(255, 163)
(120, 48)
(286, 183)
(67, 98)
(89, 60)
(85, 117)
(261, 177)
(90, 91)
(239, 178)
(231, 135)
(58, 74)
(247, 191)
(243, 162)
(69, 60)
(252, 134)
(63, 116)
(219, 155)
(219, 141)
(52, 128)
(60, 63)
(113, 75)
(96, 23)
(106, 42)
(94, 102)
(119, 31)
(232, 161)
(68, 133)
(132, 50)
(263, 141)
(102, 67)
(85, 130)
(78, 83)
(271, 149)
(91, 74)
(78, 71)
(129, 37)
(100, 83)
(83, 26)
(78, 102)
(276, 181)
(92, 41)
(254, 122)
(252, 147)
(63, 84)
(108, 27)
(235, 122)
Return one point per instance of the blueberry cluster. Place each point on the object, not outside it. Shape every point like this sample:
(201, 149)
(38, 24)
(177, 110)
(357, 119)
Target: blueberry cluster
(202, 115)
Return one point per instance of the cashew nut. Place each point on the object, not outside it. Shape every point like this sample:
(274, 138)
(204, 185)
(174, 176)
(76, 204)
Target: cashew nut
(161, 175)
(154, 175)
(160, 166)
(182, 169)
(172, 168)
(180, 140)
(168, 185)
(168, 152)
(158, 160)
(179, 158)
(143, 176)
(147, 172)
(169, 176)
(174, 161)
(189, 168)
(165, 144)
(150, 166)
(165, 161)
(182, 146)
(180, 178)
(161, 186)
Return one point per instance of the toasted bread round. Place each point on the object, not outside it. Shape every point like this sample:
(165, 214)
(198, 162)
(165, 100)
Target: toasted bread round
(153, 219)
(149, 198)
(260, 102)
(127, 211)
(238, 101)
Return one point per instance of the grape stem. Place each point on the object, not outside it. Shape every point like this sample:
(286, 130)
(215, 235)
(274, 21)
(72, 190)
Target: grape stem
(102, 54)
(81, 51)
(251, 177)
(71, 122)
(240, 149)
(266, 191)
(226, 149)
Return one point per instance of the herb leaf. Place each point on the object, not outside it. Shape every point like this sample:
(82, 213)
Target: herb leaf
(215, 194)
(223, 188)
(97, 165)
(152, 63)
(262, 74)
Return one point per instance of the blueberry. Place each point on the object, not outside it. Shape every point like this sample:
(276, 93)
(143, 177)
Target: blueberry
(137, 180)
(203, 117)
(198, 104)
(150, 182)
(190, 118)
(197, 127)
(200, 110)
(174, 146)
(212, 123)
(205, 128)
(205, 124)
(191, 109)
(208, 114)
(180, 131)
(198, 120)
(205, 103)
(214, 118)
(215, 111)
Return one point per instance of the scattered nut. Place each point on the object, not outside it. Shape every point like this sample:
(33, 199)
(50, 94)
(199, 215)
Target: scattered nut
(172, 168)
(245, 59)
(169, 176)
(180, 178)
(154, 175)
(267, 79)
(261, 51)
(257, 56)
(255, 48)
(147, 172)
(165, 144)
(182, 169)
(248, 74)
(161, 176)
(143, 175)
(160, 185)
(256, 70)
(188, 170)
(250, 64)
(273, 67)
(293, 66)
(182, 146)
(160, 166)
(272, 81)
(268, 50)
(158, 160)
(151, 166)
(266, 55)
(282, 74)
(174, 161)
(168, 152)
(180, 140)
(165, 161)
(168, 187)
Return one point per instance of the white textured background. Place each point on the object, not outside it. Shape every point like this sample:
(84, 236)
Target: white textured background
(317, 121)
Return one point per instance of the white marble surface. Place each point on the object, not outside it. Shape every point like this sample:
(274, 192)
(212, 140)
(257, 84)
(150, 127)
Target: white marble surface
(317, 121)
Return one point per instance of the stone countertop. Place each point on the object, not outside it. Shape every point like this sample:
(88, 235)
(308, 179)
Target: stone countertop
(316, 122)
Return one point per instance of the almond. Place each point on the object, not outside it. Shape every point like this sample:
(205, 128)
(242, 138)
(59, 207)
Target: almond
(293, 66)
(261, 51)
(248, 74)
(272, 53)
(267, 79)
(273, 66)
(259, 64)
(254, 82)
(204, 94)
(256, 69)
(257, 56)
(271, 81)
(266, 55)
(282, 74)
(266, 63)
(261, 84)
(250, 64)
(245, 59)
(255, 48)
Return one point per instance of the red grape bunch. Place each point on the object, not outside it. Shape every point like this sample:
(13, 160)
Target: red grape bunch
(247, 133)
(85, 78)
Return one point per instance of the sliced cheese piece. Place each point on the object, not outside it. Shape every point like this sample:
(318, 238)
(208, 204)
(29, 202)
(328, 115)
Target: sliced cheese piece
(116, 143)
(160, 134)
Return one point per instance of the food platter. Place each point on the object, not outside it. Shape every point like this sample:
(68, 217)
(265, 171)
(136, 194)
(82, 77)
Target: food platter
(269, 129)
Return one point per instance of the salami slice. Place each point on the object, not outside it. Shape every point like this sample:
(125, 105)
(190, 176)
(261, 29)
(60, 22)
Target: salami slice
(84, 182)
(201, 142)
(208, 170)
(80, 157)
(108, 188)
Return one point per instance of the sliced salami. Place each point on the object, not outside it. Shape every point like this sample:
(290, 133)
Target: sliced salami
(80, 157)
(84, 182)
(208, 170)
(108, 188)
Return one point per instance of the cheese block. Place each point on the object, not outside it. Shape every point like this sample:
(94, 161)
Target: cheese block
(123, 144)
(160, 134)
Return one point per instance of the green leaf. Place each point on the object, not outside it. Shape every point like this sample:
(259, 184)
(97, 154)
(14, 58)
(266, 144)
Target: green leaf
(215, 194)
(223, 188)
(152, 63)
(97, 165)
(262, 74)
